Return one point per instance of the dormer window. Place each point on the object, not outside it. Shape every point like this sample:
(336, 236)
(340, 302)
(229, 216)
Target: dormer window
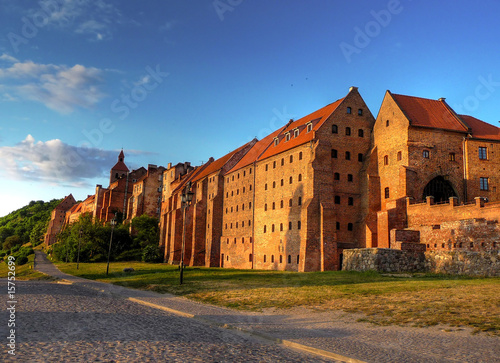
(276, 141)
(287, 136)
(296, 133)
(309, 127)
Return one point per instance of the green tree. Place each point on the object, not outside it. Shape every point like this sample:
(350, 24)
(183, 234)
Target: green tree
(145, 230)
(11, 242)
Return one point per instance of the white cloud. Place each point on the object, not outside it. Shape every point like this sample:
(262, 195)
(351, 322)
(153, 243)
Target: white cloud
(89, 17)
(55, 162)
(57, 86)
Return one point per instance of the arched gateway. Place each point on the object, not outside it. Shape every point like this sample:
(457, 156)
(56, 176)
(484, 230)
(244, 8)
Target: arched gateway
(440, 189)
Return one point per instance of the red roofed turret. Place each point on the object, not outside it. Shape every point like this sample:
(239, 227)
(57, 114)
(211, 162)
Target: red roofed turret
(119, 170)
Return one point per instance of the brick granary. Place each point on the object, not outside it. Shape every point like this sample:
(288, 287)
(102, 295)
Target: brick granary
(419, 176)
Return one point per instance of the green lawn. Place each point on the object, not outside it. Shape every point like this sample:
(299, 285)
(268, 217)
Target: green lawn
(24, 272)
(421, 300)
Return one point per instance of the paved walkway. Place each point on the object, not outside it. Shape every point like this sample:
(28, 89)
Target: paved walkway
(333, 334)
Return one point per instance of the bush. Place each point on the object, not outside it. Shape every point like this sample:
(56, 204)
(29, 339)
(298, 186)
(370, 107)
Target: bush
(151, 254)
(21, 260)
(132, 255)
(15, 249)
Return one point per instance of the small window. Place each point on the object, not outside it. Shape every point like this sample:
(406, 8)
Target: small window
(250, 187)
(300, 155)
(281, 259)
(297, 259)
(300, 201)
(347, 155)
(399, 156)
(244, 172)
(274, 206)
(287, 136)
(267, 167)
(272, 228)
(265, 186)
(250, 258)
(350, 201)
(282, 182)
(290, 225)
(264, 258)
(386, 160)
(274, 164)
(309, 127)
(276, 141)
(387, 123)
(336, 176)
(289, 259)
(360, 157)
(337, 226)
(281, 204)
(425, 154)
(361, 133)
(296, 133)
(282, 161)
(290, 202)
(334, 153)
(335, 129)
(348, 110)
(360, 112)
(452, 157)
(483, 183)
(300, 177)
(272, 258)
(337, 199)
(232, 178)
(274, 184)
(348, 131)
(291, 158)
(291, 180)
(386, 192)
(349, 177)
(250, 171)
(483, 153)
(281, 227)
(265, 229)
(265, 207)
(349, 226)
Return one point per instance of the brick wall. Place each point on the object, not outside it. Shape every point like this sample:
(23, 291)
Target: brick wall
(478, 168)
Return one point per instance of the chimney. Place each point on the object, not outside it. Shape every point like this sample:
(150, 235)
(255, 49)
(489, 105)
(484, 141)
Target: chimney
(352, 88)
(169, 165)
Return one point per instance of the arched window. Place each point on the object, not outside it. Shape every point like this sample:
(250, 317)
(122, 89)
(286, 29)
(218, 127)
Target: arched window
(386, 160)
(300, 177)
(335, 129)
(300, 155)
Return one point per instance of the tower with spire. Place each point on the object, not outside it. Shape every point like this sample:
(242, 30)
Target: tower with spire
(120, 170)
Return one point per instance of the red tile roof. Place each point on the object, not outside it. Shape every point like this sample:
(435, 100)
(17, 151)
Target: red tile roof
(256, 150)
(429, 113)
(481, 129)
(219, 163)
(120, 165)
(317, 119)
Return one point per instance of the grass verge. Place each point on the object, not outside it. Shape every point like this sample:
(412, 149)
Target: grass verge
(24, 272)
(418, 300)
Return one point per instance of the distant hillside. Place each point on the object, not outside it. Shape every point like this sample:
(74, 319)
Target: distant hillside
(29, 222)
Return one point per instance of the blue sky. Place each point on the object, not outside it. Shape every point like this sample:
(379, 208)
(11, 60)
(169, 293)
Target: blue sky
(172, 81)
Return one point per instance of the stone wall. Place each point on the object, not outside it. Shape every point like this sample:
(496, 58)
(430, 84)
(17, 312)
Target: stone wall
(446, 262)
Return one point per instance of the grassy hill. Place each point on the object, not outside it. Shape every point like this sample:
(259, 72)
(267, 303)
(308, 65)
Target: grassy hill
(28, 223)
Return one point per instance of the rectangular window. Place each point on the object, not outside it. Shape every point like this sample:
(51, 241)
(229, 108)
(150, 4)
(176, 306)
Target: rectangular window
(483, 153)
(287, 137)
(452, 156)
(348, 131)
(295, 132)
(334, 153)
(425, 154)
(483, 183)
(399, 156)
(309, 127)
(347, 155)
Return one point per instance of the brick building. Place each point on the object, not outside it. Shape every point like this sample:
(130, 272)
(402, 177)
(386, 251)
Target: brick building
(57, 219)
(146, 194)
(424, 149)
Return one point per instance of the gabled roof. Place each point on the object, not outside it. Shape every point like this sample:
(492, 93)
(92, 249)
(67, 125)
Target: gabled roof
(317, 119)
(191, 175)
(481, 129)
(256, 150)
(429, 113)
(69, 199)
(219, 163)
(120, 166)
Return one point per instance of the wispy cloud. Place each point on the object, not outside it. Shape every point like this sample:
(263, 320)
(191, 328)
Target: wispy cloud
(95, 18)
(59, 87)
(55, 162)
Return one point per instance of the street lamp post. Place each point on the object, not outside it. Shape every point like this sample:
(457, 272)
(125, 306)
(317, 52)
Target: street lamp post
(113, 223)
(186, 198)
(78, 256)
